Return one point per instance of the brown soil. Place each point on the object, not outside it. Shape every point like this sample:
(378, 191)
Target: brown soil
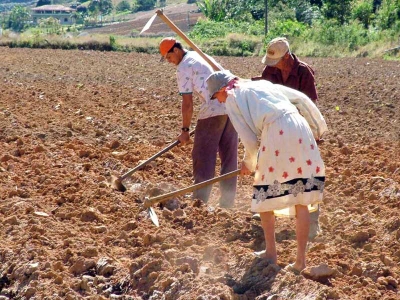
(71, 119)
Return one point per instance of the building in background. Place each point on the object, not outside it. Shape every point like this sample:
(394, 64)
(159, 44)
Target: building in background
(62, 13)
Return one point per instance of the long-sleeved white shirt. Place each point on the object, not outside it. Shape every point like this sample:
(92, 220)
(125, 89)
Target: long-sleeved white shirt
(255, 103)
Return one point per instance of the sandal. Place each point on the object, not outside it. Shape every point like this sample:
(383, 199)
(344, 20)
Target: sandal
(260, 254)
(291, 268)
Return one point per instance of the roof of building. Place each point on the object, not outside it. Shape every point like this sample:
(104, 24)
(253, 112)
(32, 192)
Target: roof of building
(53, 8)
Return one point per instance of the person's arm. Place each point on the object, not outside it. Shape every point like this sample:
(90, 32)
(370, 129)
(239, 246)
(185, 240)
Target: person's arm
(257, 78)
(262, 77)
(307, 84)
(244, 170)
(187, 113)
(236, 108)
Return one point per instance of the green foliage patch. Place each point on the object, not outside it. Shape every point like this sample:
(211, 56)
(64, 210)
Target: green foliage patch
(237, 27)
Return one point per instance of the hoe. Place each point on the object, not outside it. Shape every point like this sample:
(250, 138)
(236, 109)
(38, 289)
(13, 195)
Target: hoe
(117, 183)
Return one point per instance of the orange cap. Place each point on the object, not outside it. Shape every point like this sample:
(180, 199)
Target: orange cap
(166, 45)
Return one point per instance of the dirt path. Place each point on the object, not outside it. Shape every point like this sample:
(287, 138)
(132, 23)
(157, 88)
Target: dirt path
(70, 119)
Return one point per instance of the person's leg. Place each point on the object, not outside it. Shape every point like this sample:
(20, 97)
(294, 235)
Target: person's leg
(204, 154)
(228, 148)
(268, 226)
(302, 229)
(314, 224)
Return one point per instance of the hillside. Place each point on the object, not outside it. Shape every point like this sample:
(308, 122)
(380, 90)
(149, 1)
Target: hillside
(183, 15)
(7, 5)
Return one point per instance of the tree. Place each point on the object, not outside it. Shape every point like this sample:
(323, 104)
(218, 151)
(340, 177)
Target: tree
(337, 9)
(79, 16)
(104, 7)
(363, 11)
(43, 2)
(388, 14)
(215, 10)
(52, 25)
(304, 10)
(145, 4)
(376, 4)
(82, 9)
(316, 2)
(19, 17)
(123, 6)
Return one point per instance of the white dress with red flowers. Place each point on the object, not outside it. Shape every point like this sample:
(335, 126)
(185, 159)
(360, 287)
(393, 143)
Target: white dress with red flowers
(280, 148)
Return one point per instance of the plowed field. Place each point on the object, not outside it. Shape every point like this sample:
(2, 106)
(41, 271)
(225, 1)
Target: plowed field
(71, 119)
(183, 15)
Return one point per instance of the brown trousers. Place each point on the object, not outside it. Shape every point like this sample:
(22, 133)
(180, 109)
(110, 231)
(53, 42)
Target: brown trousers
(215, 135)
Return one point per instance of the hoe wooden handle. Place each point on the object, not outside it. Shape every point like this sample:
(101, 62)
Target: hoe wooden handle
(151, 201)
(138, 167)
(179, 32)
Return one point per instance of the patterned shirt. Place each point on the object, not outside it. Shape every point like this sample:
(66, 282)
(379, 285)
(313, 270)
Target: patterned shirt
(191, 74)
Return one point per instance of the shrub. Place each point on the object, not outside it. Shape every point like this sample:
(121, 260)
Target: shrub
(113, 43)
(285, 28)
(388, 14)
(330, 33)
(205, 29)
(123, 6)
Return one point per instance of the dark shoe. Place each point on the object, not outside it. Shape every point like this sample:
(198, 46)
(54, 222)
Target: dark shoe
(256, 217)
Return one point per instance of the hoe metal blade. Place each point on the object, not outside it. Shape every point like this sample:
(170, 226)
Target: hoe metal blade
(148, 24)
(153, 216)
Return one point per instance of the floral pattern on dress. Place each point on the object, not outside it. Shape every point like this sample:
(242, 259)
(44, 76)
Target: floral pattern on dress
(275, 189)
(297, 188)
(278, 189)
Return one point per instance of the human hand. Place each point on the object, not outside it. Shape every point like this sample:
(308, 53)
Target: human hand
(244, 170)
(184, 138)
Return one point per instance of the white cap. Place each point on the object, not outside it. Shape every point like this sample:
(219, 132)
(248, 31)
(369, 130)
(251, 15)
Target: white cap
(276, 49)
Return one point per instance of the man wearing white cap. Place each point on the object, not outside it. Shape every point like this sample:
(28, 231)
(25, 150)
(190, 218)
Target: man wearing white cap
(283, 67)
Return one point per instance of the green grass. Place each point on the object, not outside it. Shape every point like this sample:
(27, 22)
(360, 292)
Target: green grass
(233, 38)
(231, 45)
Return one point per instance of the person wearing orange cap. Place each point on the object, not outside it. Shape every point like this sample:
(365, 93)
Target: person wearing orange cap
(215, 133)
(283, 67)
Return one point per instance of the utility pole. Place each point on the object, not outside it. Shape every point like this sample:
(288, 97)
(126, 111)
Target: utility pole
(266, 17)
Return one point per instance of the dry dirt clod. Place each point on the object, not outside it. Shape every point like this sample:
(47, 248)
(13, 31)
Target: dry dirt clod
(55, 161)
